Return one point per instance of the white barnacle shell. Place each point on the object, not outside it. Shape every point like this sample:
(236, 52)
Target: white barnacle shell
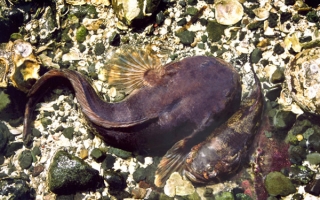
(228, 12)
(303, 80)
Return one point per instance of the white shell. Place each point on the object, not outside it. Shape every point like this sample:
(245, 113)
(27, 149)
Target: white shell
(228, 12)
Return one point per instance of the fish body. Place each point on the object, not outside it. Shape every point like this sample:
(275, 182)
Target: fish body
(221, 153)
(182, 99)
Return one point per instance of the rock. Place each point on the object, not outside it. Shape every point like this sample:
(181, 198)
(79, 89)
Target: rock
(312, 16)
(314, 142)
(297, 154)
(133, 12)
(300, 175)
(224, 196)
(175, 185)
(68, 132)
(69, 174)
(313, 187)
(4, 134)
(283, 119)
(25, 159)
(186, 37)
(159, 18)
(83, 11)
(208, 192)
(278, 184)
(120, 153)
(277, 76)
(36, 133)
(81, 34)
(16, 189)
(108, 162)
(255, 55)
(139, 174)
(215, 30)
(278, 49)
(4, 100)
(97, 155)
(114, 39)
(37, 170)
(313, 158)
(115, 180)
(99, 48)
(182, 22)
(12, 148)
(45, 122)
(192, 11)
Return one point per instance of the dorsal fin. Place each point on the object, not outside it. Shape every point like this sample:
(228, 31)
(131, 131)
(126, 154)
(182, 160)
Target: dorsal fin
(128, 67)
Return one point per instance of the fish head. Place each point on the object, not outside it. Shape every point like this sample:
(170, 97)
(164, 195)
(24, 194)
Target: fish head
(209, 164)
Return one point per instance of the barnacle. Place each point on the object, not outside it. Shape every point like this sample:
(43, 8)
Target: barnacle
(19, 65)
(303, 80)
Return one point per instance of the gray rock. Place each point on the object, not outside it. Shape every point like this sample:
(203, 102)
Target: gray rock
(25, 159)
(4, 133)
(120, 153)
(68, 174)
(255, 56)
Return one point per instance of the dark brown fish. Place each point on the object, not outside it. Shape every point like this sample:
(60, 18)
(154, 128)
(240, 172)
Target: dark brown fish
(223, 150)
(181, 99)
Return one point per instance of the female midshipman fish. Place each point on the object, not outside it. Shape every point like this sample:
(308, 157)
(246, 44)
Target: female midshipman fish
(188, 98)
(221, 153)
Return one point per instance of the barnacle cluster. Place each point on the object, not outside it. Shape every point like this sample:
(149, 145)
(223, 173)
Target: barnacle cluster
(19, 65)
(303, 80)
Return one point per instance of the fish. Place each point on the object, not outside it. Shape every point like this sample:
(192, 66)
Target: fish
(224, 149)
(166, 103)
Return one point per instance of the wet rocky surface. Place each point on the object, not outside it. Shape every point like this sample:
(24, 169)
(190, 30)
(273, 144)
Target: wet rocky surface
(82, 35)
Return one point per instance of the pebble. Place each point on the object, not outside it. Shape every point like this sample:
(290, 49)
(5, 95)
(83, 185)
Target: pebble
(97, 155)
(255, 55)
(278, 184)
(176, 186)
(25, 159)
(186, 37)
(313, 187)
(99, 48)
(68, 174)
(68, 132)
(115, 180)
(12, 148)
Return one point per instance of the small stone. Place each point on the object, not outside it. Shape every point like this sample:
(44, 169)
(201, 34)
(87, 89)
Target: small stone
(215, 30)
(283, 119)
(182, 3)
(159, 18)
(120, 153)
(175, 185)
(99, 48)
(25, 159)
(68, 132)
(191, 11)
(278, 49)
(201, 46)
(289, 2)
(139, 174)
(186, 37)
(192, 2)
(300, 175)
(277, 76)
(313, 187)
(115, 180)
(285, 16)
(83, 154)
(224, 196)
(297, 154)
(255, 55)
(82, 48)
(36, 151)
(37, 170)
(312, 16)
(114, 39)
(97, 155)
(208, 192)
(68, 174)
(313, 158)
(278, 184)
(138, 193)
(182, 22)
(4, 134)
(314, 142)
(12, 148)
(46, 121)
(81, 34)
(108, 162)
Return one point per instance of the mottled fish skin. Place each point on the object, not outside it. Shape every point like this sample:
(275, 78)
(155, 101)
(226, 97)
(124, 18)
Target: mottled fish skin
(187, 98)
(222, 152)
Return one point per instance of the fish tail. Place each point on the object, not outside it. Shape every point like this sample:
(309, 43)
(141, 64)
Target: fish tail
(173, 161)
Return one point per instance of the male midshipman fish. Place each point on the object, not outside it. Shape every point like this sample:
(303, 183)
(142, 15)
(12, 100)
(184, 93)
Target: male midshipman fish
(180, 101)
